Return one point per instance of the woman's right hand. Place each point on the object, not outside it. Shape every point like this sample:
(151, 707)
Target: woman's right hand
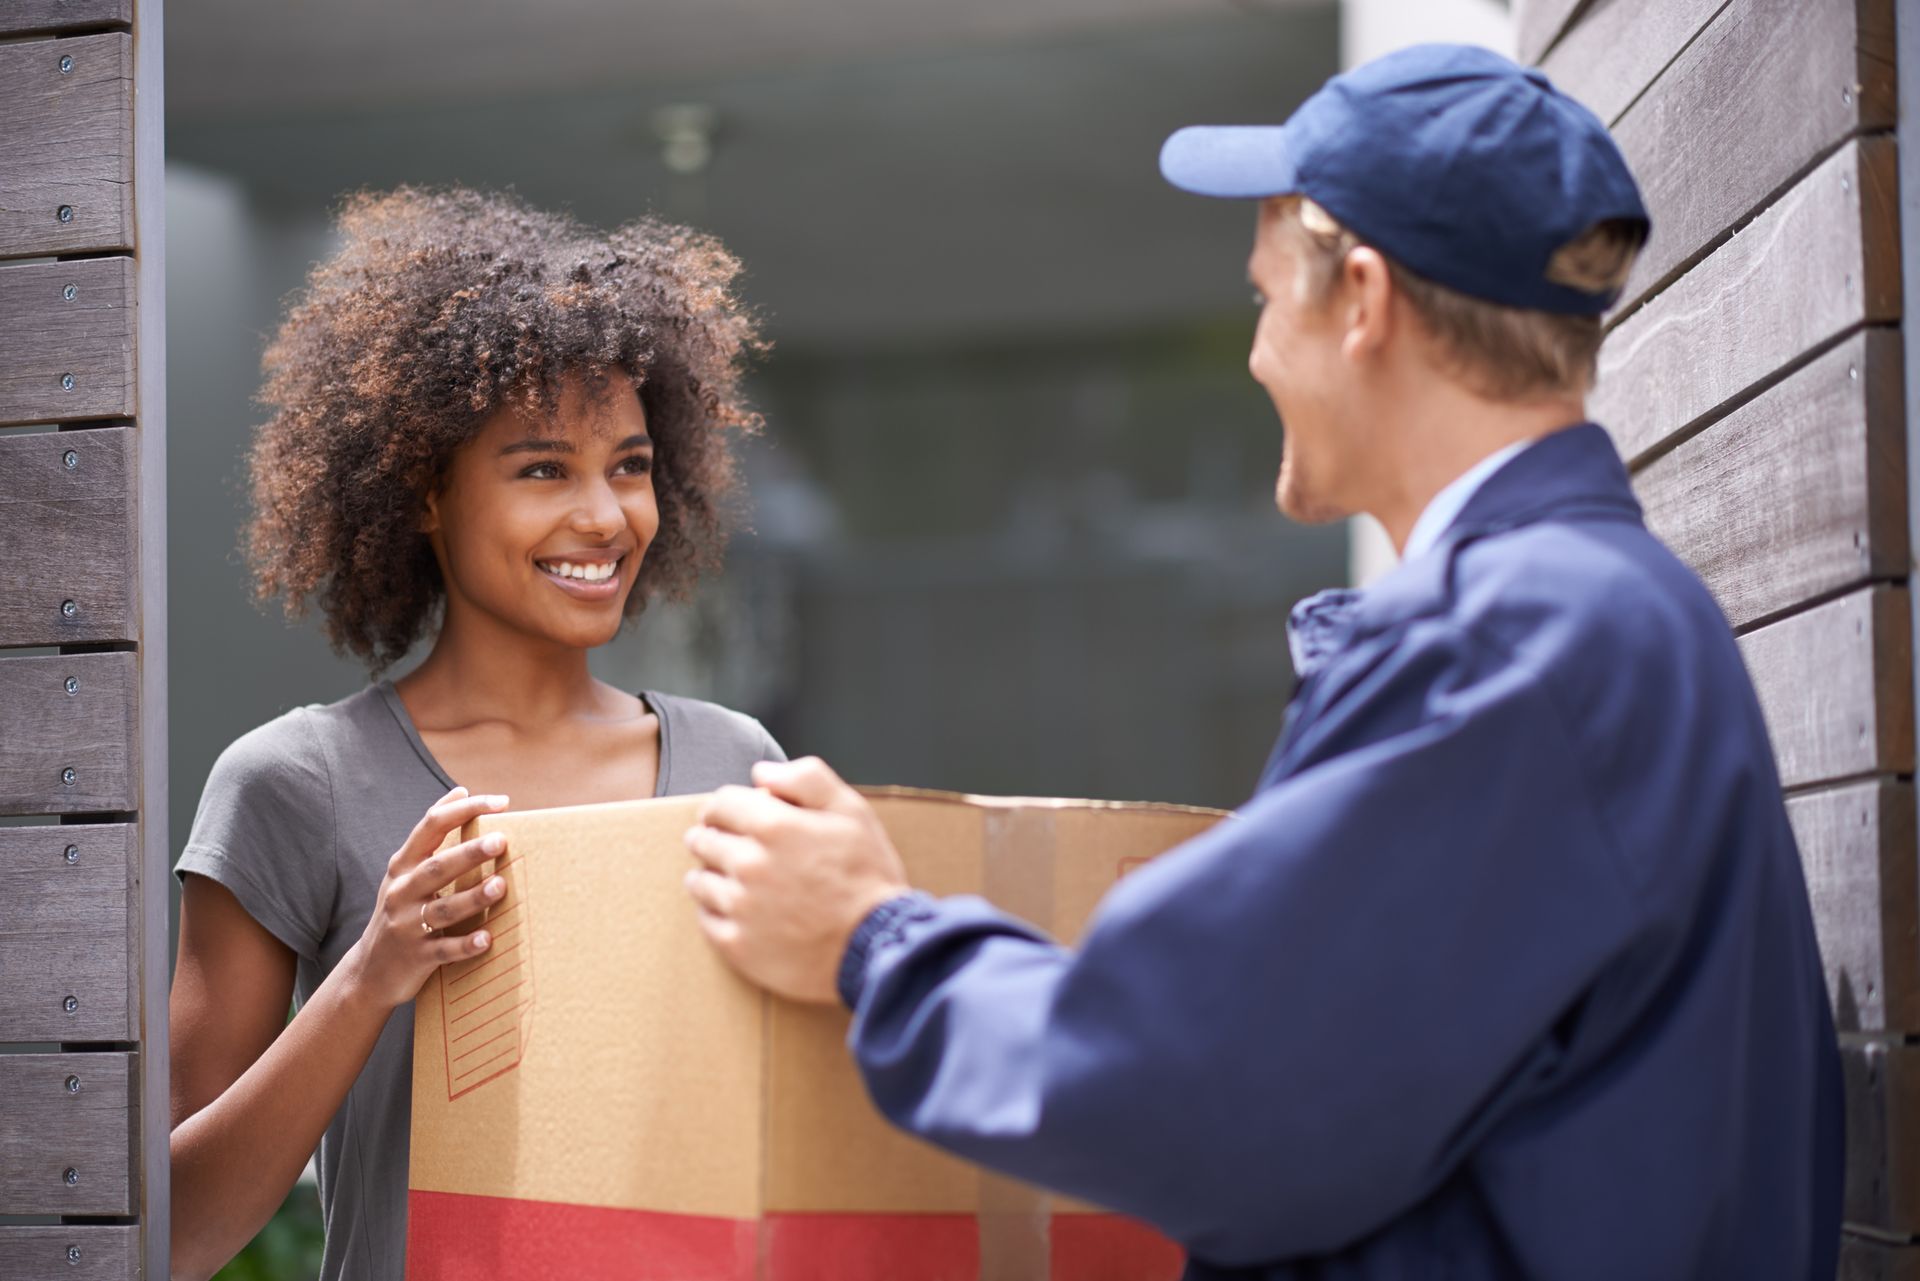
(403, 944)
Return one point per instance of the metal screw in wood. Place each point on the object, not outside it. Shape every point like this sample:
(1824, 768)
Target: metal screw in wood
(71, 458)
(73, 685)
(70, 292)
(68, 609)
(69, 776)
(73, 1254)
(71, 1004)
(73, 1085)
(66, 63)
(72, 1176)
(66, 382)
(64, 213)
(73, 854)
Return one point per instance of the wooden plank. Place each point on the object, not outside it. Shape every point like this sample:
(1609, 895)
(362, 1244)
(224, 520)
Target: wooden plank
(66, 142)
(1537, 23)
(1797, 494)
(1767, 89)
(66, 534)
(45, 731)
(1857, 847)
(49, 17)
(152, 884)
(1619, 47)
(1820, 262)
(71, 1252)
(64, 933)
(61, 1112)
(47, 339)
(1836, 685)
(1863, 1258)
(1883, 1135)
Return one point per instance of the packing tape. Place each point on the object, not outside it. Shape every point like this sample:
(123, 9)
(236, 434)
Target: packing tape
(1017, 877)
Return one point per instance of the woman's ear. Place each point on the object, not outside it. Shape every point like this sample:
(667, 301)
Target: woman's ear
(430, 514)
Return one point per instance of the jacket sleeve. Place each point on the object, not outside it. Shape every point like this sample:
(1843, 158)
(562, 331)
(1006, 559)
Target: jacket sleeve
(1290, 1030)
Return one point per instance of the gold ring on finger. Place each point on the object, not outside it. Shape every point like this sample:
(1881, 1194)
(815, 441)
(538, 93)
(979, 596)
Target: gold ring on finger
(423, 920)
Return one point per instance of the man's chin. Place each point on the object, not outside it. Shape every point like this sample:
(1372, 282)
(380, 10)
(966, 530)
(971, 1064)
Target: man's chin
(1302, 507)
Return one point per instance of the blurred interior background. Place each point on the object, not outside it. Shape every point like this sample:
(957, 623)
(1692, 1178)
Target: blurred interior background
(1012, 523)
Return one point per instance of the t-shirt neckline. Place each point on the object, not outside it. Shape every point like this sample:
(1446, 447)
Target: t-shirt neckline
(404, 719)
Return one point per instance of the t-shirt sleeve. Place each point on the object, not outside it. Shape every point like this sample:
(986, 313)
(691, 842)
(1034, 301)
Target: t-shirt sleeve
(265, 831)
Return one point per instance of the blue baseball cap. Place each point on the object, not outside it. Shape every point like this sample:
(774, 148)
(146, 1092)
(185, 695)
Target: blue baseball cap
(1459, 164)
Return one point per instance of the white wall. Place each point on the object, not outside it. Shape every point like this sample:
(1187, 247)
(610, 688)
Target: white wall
(1369, 28)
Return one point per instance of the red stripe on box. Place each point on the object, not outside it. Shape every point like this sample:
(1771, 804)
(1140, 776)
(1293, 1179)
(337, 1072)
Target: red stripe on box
(455, 1237)
(1108, 1247)
(873, 1247)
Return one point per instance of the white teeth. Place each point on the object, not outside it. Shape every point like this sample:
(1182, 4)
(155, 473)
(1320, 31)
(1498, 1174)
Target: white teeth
(585, 573)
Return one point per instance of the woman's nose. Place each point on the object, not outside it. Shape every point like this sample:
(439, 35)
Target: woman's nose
(598, 511)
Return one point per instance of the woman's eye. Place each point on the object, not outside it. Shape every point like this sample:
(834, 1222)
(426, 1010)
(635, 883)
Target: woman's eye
(638, 465)
(542, 471)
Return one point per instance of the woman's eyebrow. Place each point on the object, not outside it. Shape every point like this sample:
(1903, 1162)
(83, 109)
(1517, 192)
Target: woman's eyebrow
(537, 445)
(638, 441)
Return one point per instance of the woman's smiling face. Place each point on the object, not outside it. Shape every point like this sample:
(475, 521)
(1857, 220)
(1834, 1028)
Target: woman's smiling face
(542, 520)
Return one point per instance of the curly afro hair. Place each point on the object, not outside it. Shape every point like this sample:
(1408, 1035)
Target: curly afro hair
(440, 306)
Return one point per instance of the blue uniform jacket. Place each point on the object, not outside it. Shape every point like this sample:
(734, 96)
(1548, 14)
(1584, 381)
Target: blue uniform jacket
(1506, 971)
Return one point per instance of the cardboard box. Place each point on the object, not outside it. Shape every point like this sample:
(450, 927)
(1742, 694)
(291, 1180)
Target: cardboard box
(600, 1097)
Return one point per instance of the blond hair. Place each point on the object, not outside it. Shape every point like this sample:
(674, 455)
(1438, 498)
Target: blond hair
(1506, 353)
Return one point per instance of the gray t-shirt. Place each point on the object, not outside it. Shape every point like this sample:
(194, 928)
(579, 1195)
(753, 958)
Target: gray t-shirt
(298, 820)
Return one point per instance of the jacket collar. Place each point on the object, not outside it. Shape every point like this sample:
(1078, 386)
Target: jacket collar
(1571, 473)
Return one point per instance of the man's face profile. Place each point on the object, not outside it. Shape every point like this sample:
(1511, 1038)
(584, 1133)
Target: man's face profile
(1296, 357)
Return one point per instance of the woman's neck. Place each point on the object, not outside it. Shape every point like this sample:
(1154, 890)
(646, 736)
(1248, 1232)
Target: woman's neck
(477, 672)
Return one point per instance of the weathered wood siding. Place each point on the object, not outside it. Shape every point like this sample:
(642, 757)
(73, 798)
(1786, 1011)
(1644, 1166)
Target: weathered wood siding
(83, 856)
(1755, 378)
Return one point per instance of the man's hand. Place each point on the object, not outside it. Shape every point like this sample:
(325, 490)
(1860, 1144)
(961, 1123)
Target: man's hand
(789, 868)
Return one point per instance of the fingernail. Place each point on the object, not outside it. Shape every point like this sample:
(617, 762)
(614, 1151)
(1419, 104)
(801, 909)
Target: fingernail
(493, 842)
(496, 887)
(480, 940)
(498, 802)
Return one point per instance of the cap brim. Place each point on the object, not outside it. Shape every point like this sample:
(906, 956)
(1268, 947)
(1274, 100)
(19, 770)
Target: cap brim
(1234, 162)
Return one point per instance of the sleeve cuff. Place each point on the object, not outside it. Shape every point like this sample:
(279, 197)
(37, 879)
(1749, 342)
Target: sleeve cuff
(883, 927)
(257, 900)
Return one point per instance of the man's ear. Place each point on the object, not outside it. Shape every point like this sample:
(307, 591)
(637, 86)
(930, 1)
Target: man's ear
(1366, 300)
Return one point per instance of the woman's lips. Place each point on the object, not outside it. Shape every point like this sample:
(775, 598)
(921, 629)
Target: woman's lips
(582, 589)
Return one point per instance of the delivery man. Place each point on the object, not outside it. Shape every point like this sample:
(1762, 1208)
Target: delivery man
(1507, 969)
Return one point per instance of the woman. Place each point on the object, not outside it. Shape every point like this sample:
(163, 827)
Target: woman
(497, 428)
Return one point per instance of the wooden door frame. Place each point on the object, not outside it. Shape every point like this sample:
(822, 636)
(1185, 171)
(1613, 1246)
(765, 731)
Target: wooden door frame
(153, 914)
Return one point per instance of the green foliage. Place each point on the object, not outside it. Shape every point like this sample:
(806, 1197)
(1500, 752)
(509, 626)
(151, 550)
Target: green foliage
(288, 1248)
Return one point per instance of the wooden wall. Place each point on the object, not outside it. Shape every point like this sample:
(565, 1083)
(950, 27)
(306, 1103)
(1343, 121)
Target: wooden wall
(1755, 378)
(83, 820)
